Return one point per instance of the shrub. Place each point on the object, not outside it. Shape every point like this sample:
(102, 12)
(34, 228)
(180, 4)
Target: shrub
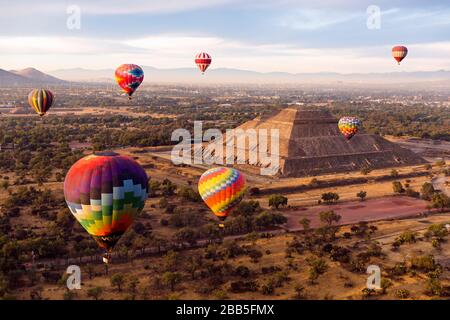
(242, 271)
(397, 187)
(243, 286)
(402, 293)
(423, 263)
(330, 197)
(277, 200)
(407, 237)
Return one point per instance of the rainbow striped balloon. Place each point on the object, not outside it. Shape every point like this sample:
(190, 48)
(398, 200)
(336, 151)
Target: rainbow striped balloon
(40, 100)
(105, 191)
(349, 126)
(221, 189)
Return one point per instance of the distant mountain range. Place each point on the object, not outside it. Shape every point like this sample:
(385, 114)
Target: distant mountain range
(226, 75)
(28, 76)
(31, 76)
(36, 75)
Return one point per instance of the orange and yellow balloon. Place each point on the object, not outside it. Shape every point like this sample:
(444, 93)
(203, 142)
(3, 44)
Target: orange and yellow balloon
(399, 53)
(222, 189)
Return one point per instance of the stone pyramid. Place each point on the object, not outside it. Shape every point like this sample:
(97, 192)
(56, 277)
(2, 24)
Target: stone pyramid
(310, 143)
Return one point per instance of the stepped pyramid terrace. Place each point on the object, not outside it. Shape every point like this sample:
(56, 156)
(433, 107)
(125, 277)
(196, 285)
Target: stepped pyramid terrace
(310, 143)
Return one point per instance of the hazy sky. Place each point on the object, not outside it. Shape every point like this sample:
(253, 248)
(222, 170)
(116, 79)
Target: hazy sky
(284, 35)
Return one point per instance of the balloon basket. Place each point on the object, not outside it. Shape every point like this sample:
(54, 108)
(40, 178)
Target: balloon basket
(221, 225)
(106, 258)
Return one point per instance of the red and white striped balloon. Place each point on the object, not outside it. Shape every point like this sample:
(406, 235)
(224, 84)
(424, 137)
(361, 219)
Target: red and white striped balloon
(203, 60)
(399, 53)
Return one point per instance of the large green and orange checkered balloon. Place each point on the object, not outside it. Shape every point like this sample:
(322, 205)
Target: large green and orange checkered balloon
(221, 189)
(105, 191)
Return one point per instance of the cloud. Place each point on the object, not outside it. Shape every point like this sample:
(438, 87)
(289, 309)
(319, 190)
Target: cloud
(308, 19)
(178, 50)
(422, 18)
(177, 44)
(61, 45)
(108, 7)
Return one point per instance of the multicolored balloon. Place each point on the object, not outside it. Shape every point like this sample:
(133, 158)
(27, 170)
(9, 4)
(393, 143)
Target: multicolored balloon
(349, 126)
(399, 53)
(40, 100)
(129, 77)
(203, 60)
(221, 189)
(105, 192)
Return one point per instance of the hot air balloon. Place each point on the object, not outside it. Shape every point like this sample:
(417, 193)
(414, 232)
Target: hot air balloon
(221, 189)
(399, 53)
(40, 100)
(203, 60)
(105, 191)
(129, 77)
(349, 126)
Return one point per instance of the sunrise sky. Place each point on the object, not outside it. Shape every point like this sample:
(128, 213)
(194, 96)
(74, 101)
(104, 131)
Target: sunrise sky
(285, 35)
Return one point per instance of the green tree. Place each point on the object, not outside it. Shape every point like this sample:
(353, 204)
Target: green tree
(397, 187)
(440, 201)
(171, 279)
(188, 235)
(277, 200)
(5, 184)
(269, 219)
(168, 188)
(394, 173)
(330, 197)
(329, 217)
(427, 191)
(95, 293)
(317, 266)
(171, 260)
(133, 283)
(117, 280)
(366, 170)
(306, 223)
(362, 195)
(437, 230)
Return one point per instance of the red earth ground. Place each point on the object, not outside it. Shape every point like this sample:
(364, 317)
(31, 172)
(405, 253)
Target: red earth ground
(356, 211)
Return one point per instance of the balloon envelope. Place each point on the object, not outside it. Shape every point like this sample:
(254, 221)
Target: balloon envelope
(222, 189)
(40, 100)
(105, 192)
(203, 60)
(399, 53)
(349, 126)
(129, 77)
